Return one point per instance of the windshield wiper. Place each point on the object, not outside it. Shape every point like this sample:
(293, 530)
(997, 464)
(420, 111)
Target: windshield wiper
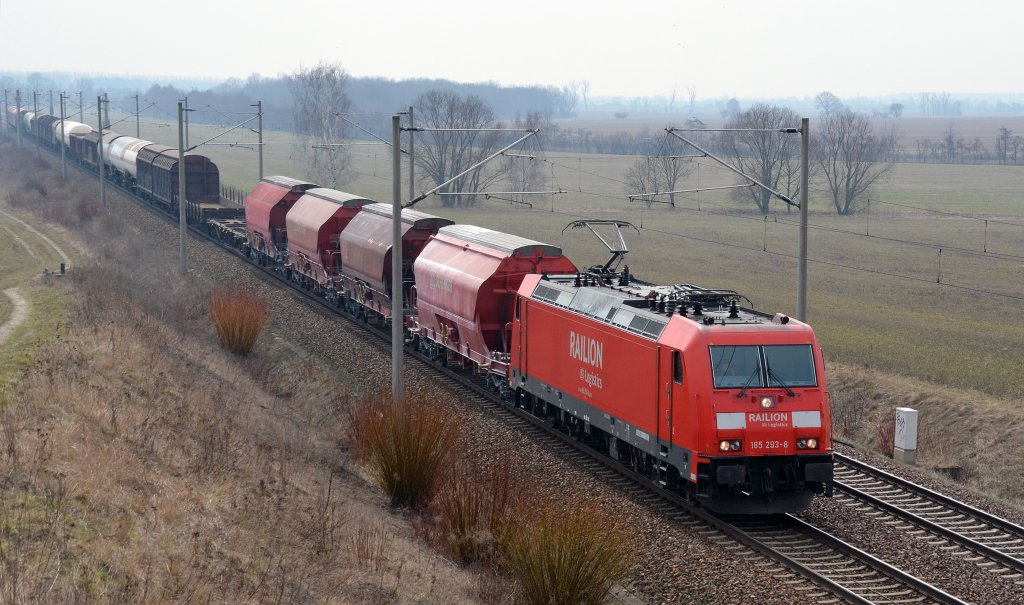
(746, 385)
(773, 375)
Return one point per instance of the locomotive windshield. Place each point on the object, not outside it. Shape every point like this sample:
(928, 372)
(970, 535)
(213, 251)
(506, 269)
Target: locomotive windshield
(751, 367)
(790, 365)
(737, 367)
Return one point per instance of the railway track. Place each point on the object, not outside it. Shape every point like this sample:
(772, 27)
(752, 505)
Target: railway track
(982, 538)
(839, 572)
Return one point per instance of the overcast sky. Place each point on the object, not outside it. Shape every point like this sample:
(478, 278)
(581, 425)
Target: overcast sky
(738, 48)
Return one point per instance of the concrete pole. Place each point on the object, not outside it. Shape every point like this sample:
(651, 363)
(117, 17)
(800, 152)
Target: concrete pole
(63, 159)
(183, 259)
(801, 279)
(81, 108)
(7, 121)
(138, 125)
(17, 115)
(259, 109)
(106, 108)
(397, 307)
(35, 119)
(99, 151)
(412, 176)
(51, 102)
(186, 123)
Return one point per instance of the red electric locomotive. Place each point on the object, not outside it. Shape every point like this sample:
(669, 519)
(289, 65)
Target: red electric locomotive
(719, 402)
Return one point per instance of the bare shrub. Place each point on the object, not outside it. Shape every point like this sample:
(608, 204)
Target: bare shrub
(473, 513)
(33, 184)
(885, 434)
(407, 449)
(567, 556)
(86, 208)
(239, 317)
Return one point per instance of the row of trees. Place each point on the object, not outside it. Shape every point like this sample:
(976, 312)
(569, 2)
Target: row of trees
(847, 156)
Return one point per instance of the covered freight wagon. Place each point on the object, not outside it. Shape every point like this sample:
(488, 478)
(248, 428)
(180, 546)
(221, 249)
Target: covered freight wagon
(466, 283)
(157, 173)
(366, 253)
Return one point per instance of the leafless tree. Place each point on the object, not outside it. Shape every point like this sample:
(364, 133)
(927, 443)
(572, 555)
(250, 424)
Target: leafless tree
(849, 156)
(767, 155)
(658, 173)
(525, 172)
(445, 154)
(691, 94)
(320, 96)
(1003, 144)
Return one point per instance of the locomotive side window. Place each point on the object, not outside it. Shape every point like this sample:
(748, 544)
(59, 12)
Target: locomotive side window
(790, 365)
(677, 367)
(519, 299)
(736, 367)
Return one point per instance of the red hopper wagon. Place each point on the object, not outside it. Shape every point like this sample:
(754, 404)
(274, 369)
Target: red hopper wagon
(314, 226)
(265, 210)
(466, 283)
(366, 255)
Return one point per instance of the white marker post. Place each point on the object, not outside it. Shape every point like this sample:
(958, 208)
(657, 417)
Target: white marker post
(905, 446)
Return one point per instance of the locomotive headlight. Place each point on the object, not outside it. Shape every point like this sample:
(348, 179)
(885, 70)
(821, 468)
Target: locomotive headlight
(801, 444)
(767, 402)
(812, 444)
(730, 446)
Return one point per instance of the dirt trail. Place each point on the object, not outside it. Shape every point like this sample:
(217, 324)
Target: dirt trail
(18, 316)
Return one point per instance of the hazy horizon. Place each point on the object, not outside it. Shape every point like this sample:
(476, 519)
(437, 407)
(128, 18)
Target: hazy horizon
(786, 49)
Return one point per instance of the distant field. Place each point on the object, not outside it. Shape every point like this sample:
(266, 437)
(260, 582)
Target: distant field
(909, 325)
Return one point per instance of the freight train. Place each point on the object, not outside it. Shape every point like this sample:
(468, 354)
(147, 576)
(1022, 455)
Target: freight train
(719, 402)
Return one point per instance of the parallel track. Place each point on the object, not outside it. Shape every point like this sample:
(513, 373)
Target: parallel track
(841, 572)
(985, 539)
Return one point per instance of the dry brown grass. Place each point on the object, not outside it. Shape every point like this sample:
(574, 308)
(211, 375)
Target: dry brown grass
(407, 448)
(239, 317)
(572, 555)
(474, 512)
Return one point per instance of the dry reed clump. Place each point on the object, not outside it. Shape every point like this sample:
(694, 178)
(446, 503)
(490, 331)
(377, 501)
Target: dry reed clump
(473, 513)
(885, 437)
(239, 317)
(407, 449)
(570, 556)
